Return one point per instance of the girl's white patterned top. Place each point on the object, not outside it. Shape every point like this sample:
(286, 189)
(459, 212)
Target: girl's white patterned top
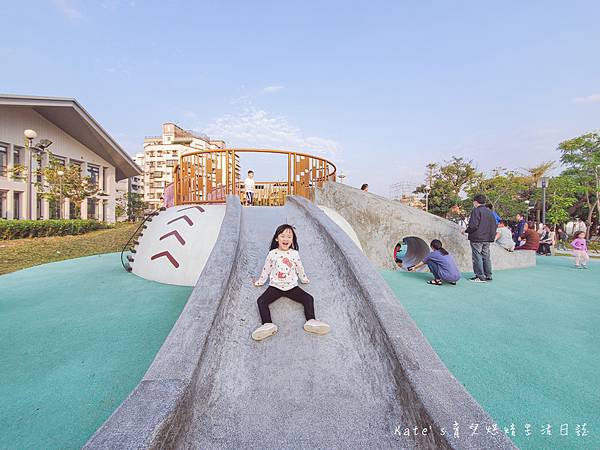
(283, 268)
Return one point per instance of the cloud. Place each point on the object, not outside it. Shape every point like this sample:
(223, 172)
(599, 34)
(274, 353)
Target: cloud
(272, 89)
(253, 127)
(594, 98)
(67, 10)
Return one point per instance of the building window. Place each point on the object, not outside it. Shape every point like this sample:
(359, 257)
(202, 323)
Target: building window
(17, 155)
(72, 212)
(91, 208)
(171, 162)
(76, 164)
(53, 209)
(3, 159)
(94, 173)
(3, 205)
(39, 204)
(17, 205)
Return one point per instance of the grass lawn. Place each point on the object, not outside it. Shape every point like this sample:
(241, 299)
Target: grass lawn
(19, 254)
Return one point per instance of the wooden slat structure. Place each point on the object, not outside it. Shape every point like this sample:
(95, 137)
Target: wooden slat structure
(208, 176)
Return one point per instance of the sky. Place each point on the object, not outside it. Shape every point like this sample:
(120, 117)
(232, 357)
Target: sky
(380, 88)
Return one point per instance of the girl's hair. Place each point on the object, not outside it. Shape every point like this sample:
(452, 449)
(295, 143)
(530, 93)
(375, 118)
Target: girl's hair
(364, 186)
(280, 229)
(436, 244)
(579, 233)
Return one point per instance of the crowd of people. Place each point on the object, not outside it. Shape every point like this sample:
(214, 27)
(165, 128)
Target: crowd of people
(485, 227)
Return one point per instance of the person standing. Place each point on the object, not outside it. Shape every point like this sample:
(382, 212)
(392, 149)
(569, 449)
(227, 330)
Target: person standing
(481, 232)
(249, 188)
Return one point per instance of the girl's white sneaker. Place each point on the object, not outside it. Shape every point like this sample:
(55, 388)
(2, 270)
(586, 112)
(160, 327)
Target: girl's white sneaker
(316, 326)
(264, 331)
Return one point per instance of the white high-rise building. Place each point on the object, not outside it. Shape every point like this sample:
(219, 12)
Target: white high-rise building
(161, 154)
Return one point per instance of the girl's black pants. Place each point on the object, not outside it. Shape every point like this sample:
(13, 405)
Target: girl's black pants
(296, 294)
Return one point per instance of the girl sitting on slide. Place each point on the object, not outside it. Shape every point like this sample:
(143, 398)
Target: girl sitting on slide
(441, 264)
(283, 267)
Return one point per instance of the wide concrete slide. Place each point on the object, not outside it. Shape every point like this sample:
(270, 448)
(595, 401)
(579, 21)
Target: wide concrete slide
(380, 223)
(361, 386)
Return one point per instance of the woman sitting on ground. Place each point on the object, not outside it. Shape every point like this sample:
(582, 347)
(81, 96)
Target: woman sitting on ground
(441, 264)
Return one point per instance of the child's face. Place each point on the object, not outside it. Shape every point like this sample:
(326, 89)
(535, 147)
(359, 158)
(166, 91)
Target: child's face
(251, 175)
(285, 239)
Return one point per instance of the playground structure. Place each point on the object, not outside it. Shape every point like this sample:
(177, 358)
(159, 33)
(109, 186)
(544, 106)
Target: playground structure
(210, 176)
(211, 386)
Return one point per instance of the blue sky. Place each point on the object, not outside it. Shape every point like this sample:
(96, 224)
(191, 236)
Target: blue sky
(380, 88)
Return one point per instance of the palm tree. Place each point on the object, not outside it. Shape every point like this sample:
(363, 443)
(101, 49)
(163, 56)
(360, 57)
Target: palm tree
(533, 176)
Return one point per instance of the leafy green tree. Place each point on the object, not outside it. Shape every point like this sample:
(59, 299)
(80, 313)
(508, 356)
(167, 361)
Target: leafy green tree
(504, 190)
(562, 195)
(581, 156)
(135, 206)
(448, 182)
(66, 182)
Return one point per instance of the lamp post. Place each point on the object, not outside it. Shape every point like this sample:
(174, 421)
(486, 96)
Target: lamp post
(30, 135)
(427, 191)
(60, 174)
(544, 181)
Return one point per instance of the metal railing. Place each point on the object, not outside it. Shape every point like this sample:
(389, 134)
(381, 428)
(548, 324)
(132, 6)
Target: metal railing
(209, 176)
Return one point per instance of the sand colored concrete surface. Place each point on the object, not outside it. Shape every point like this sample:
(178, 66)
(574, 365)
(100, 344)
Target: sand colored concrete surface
(381, 223)
(212, 386)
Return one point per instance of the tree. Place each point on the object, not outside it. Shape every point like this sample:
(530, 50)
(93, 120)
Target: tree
(581, 156)
(504, 190)
(562, 194)
(71, 184)
(534, 175)
(448, 182)
(135, 206)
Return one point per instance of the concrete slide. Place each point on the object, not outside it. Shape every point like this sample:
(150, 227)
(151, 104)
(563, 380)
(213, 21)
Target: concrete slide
(362, 386)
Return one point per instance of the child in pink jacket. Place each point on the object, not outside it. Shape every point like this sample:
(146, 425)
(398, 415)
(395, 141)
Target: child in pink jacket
(580, 250)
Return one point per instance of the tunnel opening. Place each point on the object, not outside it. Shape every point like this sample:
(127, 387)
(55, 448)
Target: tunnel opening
(409, 251)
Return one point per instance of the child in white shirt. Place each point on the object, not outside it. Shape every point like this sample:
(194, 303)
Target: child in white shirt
(249, 188)
(283, 267)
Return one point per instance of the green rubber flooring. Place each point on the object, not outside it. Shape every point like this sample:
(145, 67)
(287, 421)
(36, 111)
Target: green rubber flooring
(76, 337)
(525, 346)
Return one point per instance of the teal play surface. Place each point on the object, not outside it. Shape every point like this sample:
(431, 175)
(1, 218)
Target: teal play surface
(525, 346)
(76, 337)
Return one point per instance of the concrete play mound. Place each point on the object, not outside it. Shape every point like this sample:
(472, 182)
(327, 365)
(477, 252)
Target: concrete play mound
(381, 223)
(176, 244)
(362, 386)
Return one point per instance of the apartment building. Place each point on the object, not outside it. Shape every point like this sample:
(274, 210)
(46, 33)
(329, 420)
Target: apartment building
(75, 138)
(161, 155)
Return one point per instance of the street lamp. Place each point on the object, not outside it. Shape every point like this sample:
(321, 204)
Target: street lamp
(543, 183)
(30, 135)
(427, 191)
(60, 174)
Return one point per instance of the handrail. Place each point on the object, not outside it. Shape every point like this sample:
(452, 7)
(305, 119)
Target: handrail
(135, 233)
(208, 176)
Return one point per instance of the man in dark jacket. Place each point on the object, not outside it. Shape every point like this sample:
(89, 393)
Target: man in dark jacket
(481, 231)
